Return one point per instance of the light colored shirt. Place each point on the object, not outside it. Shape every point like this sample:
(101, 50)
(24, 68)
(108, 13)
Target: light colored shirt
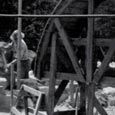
(24, 50)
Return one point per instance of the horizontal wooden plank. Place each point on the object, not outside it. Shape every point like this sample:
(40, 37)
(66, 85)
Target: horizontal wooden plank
(64, 76)
(98, 41)
(32, 90)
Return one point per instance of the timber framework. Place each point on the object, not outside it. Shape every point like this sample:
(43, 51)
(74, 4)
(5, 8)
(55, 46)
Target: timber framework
(86, 74)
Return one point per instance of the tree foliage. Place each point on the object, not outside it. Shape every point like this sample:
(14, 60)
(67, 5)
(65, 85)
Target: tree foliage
(32, 27)
(105, 27)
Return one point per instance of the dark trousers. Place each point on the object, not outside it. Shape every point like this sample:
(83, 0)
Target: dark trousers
(25, 67)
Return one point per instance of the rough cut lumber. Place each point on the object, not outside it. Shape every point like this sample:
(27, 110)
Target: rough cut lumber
(103, 42)
(52, 80)
(89, 46)
(99, 107)
(60, 90)
(63, 76)
(26, 105)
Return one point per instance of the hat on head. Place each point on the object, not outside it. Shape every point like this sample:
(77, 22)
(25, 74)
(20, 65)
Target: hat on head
(15, 32)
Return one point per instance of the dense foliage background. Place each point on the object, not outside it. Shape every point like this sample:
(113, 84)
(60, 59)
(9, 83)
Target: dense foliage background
(33, 27)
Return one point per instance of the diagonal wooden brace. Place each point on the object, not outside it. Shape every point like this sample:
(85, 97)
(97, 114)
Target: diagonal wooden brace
(69, 49)
(99, 107)
(98, 74)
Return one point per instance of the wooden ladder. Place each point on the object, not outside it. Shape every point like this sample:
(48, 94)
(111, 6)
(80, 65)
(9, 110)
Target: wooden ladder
(24, 90)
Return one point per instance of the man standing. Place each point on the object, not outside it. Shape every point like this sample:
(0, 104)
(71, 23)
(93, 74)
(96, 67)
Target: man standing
(24, 59)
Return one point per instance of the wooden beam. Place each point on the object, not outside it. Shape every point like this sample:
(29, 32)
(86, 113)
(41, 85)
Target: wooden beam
(52, 79)
(103, 42)
(82, 102)
(42, 49)
(14, 111)
(90, 99)
(31, 90)
(12, 80)
(19, 43)
(63, 76)
(99, 107)
(69, 49)
(89, 60)
(105, 81)
(60, 90)
(98, 74)
(89, 46)
(37, 104)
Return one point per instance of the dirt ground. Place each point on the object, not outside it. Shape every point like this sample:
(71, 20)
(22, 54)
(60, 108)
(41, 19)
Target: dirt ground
(5, 101)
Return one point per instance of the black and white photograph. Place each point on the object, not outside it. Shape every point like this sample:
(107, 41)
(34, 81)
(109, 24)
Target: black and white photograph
(57, 57)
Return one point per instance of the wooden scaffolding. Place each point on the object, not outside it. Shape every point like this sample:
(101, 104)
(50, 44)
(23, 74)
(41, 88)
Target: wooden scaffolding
(91, 78)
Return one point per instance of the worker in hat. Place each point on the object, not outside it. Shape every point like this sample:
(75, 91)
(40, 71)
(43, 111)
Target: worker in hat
(24, 59)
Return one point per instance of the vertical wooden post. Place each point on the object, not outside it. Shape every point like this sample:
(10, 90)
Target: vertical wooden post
(19, 43)
(90, 99)
(52, 77)
(89, 51)
(11, 82)
(89, 61)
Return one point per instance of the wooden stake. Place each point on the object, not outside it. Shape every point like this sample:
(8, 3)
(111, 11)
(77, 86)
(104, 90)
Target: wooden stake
(52, 77)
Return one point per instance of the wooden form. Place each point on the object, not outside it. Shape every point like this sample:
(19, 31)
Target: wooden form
(91, 79)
